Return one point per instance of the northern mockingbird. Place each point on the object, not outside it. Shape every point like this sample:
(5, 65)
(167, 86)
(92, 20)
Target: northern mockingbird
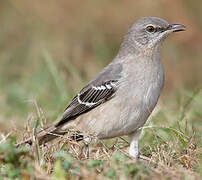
(119, 100)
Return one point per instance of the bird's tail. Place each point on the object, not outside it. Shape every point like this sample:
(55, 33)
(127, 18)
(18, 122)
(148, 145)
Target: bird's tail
(45, 135)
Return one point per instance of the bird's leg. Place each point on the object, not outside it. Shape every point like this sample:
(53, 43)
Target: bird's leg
(87, 141)
(134, 138)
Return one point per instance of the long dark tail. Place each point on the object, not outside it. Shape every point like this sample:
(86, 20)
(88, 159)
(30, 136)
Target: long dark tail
(45, 136)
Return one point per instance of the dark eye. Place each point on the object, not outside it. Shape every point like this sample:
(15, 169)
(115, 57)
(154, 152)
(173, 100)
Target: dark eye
(151, 29)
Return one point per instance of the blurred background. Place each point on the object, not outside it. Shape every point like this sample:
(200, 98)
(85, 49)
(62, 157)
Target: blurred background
(50, 49)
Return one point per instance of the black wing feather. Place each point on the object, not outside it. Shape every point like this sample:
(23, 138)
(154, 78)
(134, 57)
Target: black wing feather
(98, 91)
(89, 99)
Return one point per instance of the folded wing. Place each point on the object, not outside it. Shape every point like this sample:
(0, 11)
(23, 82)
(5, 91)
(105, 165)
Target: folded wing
(98, 91)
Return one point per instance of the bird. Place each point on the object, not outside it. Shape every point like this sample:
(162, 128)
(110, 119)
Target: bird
(122, 96)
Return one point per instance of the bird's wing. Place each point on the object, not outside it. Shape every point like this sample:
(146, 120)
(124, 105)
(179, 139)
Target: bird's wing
(98, 91)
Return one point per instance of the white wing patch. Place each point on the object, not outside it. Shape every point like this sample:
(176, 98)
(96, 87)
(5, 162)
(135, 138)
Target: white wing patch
(97, 90)
(104, 87)
(85, 103)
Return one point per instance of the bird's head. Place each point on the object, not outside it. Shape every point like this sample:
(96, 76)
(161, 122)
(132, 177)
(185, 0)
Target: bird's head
(149, 32)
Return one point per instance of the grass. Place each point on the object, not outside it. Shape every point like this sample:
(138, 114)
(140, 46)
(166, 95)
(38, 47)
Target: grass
(171, 151)
(170, 145)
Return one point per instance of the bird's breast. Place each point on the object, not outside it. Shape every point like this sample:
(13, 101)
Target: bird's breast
(141, 90)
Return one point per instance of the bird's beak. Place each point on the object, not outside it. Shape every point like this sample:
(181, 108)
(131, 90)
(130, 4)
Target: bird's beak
(176, 27)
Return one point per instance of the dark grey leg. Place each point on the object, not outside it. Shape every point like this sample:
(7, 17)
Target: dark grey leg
(87, 141)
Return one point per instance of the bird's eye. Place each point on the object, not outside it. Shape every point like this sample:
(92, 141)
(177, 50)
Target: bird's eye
(151, 29)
